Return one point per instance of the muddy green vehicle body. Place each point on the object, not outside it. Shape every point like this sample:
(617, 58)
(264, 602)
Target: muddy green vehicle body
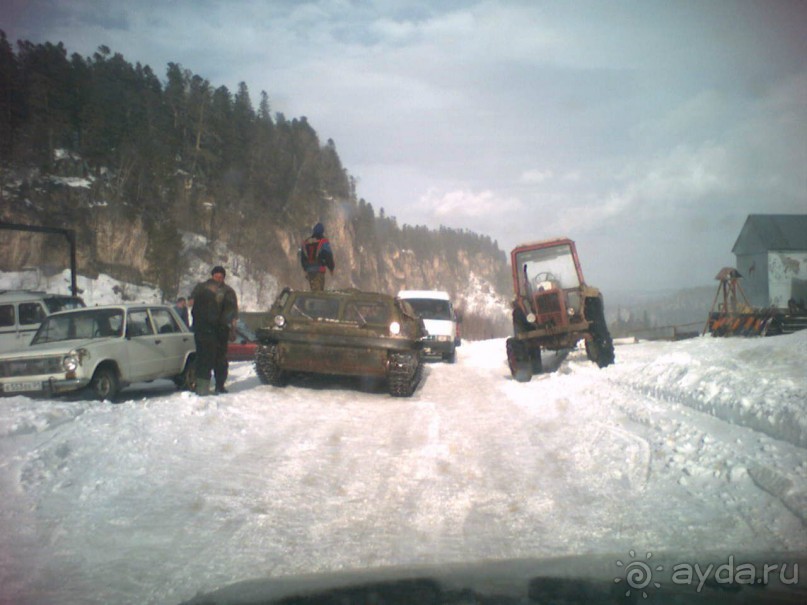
(341, 332)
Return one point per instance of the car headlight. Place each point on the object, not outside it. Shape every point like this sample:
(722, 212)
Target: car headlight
(71, 361)
(531, 317)
(280, 321)
(394, 328)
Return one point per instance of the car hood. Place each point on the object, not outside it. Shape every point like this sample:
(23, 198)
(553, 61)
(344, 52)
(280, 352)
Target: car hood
(618, 578)
(438, 327)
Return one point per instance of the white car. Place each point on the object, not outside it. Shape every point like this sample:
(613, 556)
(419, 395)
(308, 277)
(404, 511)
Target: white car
(104, 349)
(435, 309)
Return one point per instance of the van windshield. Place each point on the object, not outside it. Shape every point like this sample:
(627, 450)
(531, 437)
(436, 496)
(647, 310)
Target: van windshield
(430, 308)
(63, 303)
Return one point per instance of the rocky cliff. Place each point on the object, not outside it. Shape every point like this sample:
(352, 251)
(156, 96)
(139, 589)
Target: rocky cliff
(115, 239)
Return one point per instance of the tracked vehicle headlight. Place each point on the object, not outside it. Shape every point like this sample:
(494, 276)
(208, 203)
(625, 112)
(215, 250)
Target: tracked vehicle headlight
(395, 328)
(280, 321)
(531, 317)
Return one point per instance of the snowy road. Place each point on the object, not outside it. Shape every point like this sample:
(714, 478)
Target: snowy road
(694, 446)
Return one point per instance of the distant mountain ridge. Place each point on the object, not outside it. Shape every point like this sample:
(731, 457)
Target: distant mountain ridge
(636, 313)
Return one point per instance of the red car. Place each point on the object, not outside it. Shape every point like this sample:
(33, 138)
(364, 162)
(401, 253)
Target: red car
(244, 345)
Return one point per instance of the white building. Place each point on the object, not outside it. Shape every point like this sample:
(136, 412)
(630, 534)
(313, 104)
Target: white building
(771, 253)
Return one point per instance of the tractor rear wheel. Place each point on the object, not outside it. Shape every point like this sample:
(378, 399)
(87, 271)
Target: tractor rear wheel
(599, 345)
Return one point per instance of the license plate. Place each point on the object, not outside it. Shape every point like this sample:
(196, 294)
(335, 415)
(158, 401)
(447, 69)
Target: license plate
(21, 387)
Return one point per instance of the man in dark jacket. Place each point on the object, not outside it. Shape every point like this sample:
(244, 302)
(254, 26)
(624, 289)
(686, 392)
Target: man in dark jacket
(228, 318)
(182, 310)
(315, 257)
(205, 312)
(215, 314)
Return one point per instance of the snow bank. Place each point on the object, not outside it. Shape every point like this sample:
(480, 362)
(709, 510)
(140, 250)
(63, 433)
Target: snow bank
(104, 290)
(760, 383)
(169, 494)
(256, 290)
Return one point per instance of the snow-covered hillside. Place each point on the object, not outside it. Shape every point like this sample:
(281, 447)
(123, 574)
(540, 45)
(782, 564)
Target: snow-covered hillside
(693, 446)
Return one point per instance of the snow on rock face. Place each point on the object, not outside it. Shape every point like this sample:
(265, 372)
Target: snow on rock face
(480, 297)
(256, 290)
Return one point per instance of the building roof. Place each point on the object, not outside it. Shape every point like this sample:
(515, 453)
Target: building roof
(763, 232)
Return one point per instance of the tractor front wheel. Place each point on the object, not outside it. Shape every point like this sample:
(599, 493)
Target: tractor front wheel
(518, 358)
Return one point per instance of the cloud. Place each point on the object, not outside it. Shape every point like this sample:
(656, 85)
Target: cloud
(684, 175)
(535, 176)
(463, 204)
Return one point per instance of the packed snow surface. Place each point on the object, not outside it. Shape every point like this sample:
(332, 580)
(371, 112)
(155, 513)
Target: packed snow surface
(690, 446)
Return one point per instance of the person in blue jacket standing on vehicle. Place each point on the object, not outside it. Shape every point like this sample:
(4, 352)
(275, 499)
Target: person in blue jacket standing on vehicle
(316, 256)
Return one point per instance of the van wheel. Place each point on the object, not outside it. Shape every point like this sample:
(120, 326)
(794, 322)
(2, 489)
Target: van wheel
(450, 357)
(105, 384)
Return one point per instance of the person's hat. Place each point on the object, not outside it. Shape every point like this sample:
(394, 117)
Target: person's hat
(218, 269)
(319, 230)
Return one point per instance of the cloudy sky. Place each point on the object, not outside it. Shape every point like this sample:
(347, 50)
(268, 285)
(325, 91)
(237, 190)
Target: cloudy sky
(645, 130)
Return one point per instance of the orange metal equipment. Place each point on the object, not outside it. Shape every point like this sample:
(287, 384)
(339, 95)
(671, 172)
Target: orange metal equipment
(734, 315)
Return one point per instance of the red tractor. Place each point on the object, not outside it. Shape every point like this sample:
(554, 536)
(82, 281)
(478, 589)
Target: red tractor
(553, 308)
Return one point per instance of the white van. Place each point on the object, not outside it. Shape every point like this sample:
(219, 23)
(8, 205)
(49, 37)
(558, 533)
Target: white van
(21, 312)
(435, 309)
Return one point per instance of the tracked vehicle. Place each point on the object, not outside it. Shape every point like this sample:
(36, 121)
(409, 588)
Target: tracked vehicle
(553, 308)
(342, 332)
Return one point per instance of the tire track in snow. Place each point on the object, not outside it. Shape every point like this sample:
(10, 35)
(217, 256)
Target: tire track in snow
(704, 449)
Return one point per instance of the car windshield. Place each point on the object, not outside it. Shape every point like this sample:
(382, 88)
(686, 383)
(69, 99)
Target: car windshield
(63, 303)
(369, 312)
(547, 267)
(93, 323)
(315, 307)
(430, 308)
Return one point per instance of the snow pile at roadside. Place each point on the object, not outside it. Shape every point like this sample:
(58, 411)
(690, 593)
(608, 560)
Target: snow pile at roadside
(103, 290)
(711, 375)
(255, 291)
